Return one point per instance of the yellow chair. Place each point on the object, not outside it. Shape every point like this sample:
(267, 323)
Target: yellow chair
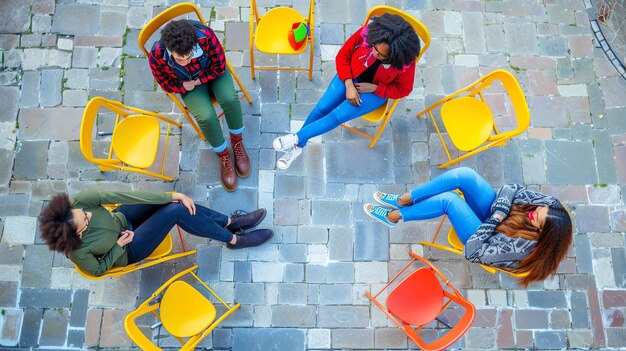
(271, 34)
(469, 120)
(157, 22)
(384, 112)
(135, 138)
(184, 313)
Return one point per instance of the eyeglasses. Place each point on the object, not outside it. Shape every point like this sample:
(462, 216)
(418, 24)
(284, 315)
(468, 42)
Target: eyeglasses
(380, 54)
(183, 59)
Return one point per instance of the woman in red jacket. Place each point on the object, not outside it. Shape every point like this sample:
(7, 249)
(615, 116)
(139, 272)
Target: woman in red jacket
(377, 63)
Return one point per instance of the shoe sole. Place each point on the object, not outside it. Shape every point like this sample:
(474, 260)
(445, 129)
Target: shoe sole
(229, 190)
(231, 247)
(240, 175)
(384, 203)
(375, 218)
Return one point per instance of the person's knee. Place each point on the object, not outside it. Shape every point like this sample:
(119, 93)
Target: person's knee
(465, 172)
(206, 120)
(449, 199)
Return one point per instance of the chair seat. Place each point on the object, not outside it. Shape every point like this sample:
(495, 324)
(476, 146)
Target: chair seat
(272, 32)
(418, 299)
(164, 248)
(185, 311)
(377, 114)
(454, 241)
(136, 140)
(468, 120)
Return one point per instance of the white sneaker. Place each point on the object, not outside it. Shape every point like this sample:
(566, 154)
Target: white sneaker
(285, 161)
(285, 142)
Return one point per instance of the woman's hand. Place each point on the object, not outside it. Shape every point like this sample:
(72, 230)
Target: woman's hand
(189, 84)
(498, 216)
(125, 238)
(185, 201)
(353, 95)
(366, 87)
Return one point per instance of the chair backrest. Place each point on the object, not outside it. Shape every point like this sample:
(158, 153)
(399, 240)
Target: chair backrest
(257, 18)
(419, 28)
(417, 299)
(159, 20)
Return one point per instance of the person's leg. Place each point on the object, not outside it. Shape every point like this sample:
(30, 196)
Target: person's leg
(198, 101)
(151, 232)
(137, 214)
(225, 94)
(334, 95)
(341, 114)
(477, 192)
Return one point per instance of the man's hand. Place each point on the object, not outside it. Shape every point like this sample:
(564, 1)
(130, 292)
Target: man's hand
(185, 201)
(366, 87)
(190, 84)
(125, 238)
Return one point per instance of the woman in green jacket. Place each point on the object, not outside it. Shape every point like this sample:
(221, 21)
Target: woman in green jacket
(96, 239)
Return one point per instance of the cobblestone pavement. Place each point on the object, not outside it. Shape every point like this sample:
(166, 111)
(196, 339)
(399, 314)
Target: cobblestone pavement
(304, 290)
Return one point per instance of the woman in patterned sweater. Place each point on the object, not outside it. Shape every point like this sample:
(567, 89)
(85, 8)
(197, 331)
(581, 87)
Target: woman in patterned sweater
(516, 229)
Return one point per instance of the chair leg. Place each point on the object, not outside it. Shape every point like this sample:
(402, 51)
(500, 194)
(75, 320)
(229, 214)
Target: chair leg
(311, 59)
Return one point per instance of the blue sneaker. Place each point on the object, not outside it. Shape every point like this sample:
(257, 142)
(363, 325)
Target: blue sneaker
(379, 213)
(389, 200)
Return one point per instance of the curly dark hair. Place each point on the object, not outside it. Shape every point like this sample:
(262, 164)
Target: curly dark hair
(393, 30)
(57, 228)
(179, 36)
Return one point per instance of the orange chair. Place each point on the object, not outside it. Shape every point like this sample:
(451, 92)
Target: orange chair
(469, 120)
(184, 312)
(419, 299)
(271, 35)
(134, 141)
(157, 22)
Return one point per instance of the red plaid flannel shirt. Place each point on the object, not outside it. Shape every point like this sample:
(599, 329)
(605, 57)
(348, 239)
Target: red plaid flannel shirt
(167, 78)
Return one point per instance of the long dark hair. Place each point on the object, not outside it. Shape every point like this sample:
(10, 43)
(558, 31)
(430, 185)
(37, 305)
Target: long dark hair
(57, 226)
(393, 30)
(553, 241)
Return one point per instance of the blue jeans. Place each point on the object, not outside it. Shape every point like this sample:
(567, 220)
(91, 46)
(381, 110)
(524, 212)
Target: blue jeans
(334, 109)
(436, 198)
(151, 224)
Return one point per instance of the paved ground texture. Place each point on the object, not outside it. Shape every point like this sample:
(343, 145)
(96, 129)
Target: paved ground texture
(304, 289)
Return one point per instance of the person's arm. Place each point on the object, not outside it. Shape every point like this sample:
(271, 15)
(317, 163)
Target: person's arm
(97, 267)
(400, 87)
(217, 59)
(95, 198)
(164, 75)
(492, 248)
(343, 59)
(503, 201)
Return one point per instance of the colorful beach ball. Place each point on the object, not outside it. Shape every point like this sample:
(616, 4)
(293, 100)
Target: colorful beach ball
(297, 35)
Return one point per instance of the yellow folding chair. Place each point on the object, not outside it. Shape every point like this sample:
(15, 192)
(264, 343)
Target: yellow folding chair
(469, 120)
(157, 22)
(135, 138)
(271, 34)
(183, 311)
(384, 112)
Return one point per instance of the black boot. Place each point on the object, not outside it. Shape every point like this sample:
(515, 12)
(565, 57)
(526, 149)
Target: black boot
(241, 220)
(251, 239)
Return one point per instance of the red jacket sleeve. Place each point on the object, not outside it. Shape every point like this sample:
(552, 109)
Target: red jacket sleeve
(217, 59)
(344, 56)
(163, 73)
(400, 87)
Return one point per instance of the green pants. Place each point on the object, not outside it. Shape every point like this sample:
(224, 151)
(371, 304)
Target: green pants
(198, 102)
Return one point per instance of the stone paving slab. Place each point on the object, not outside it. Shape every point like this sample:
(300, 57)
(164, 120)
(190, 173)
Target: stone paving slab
(304, 289)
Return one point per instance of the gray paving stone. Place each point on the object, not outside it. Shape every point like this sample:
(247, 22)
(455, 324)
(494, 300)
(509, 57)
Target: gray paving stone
(604, 160)
(40, 124)
(289, 186)
(275, 118)
(8, 296)
(84, 57)
(294, 273)
(45, 298)
(592, 219)
(16, 15)
(293, 316)
(341, 166)
(243, 199)
(293, 253)
(371, 242)
(618, 259)
(312, 234)
(76, 78)
(315, 273)
(330, 212)
(242, 272)
(112, 20)
(339, 316)
(550, 340)
(566, 162)
(520, 36)
(335, 294)
(332, 34)
(473, 32)
(250, 293)
(11, 96)
(531, 319)
(269, 338)
(353, 338)
(482, 338)
(209, 258)
(239, 35)
(75, 338)
(109, 79)
(292, 294)
(80, 301)
(11, 254)
(553, 46)
(340, 244)
(54, 328)
(51, 87)
(137, 74)
(547, 299)
(340, 272)
(583, 254)
(31, 160)
(37, 266)
(29, 336)
(76, 19)
(615, 337)
(14, 205)
(6, 166)
(579, 310)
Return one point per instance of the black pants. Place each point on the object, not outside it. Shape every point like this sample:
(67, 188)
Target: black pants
(151, 223)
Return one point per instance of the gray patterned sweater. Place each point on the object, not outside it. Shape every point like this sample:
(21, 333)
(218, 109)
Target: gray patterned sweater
(492, 248)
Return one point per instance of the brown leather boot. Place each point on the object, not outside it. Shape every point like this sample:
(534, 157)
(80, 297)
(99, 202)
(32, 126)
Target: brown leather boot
(242, 162)
(229, 179)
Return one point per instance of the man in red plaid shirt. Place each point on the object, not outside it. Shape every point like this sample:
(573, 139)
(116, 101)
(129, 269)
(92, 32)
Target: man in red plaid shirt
(189, 60)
